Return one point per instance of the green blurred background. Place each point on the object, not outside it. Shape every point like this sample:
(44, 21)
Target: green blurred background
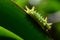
(14, 19)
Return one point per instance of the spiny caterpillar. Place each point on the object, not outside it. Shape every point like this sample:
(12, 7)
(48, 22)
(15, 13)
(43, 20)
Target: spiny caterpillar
(39, 18)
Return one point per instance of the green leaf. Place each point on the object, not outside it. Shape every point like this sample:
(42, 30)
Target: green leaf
(16, 20)
(22, 4)
(6, 33)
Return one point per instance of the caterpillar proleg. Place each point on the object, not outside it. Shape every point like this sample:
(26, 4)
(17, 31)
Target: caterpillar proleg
(39, 18)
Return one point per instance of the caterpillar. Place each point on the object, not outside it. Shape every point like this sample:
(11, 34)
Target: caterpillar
(39, 18)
